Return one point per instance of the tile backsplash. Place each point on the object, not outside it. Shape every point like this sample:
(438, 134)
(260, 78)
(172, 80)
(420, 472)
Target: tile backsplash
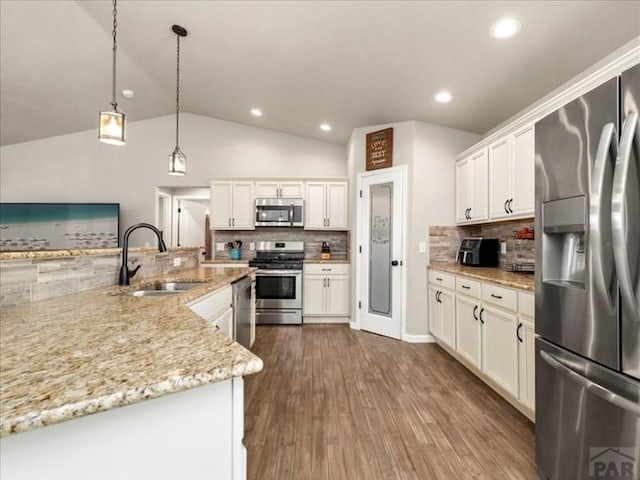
(338, 241)
(32, 279)
(444, 241)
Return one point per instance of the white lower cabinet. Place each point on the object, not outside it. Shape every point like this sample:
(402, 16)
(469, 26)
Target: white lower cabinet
(499, 348)
(468, 329)
(325, 291)
(526, 363)
(224, 322)
(442, 310)
(489, 328)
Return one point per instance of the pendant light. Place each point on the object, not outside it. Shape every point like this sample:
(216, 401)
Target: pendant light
(112, 124)
(177, 159)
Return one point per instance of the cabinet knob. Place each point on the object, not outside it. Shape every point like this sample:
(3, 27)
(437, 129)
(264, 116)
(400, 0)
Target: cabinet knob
(395, 263)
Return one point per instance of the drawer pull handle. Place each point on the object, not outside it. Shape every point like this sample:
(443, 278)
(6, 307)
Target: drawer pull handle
(466, 287)
(438, 279)
(496, 296)
(326, 269)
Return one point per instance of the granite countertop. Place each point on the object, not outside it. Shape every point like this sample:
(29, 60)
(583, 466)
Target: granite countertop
(522, 281)
(215, 261)
(92, 351)
(84, 251)
(333, 260)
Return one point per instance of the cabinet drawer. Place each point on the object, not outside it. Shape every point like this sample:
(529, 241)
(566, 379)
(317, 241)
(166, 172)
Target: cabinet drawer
(212, 304)
(326, 268)
(526, 302)
(469, 287)
(499, 296)
(445, 280)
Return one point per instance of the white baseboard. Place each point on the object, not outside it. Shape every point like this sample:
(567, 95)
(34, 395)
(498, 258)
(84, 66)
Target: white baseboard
(354, 326)
(418, 338)
(309, 320)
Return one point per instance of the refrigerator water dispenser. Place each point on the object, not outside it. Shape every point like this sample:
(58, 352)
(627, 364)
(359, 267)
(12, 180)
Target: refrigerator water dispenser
(564, 227)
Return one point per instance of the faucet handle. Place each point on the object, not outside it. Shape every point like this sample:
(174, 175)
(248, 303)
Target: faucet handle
(134, 271)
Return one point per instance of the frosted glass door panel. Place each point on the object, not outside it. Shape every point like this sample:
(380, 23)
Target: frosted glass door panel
(380, 284)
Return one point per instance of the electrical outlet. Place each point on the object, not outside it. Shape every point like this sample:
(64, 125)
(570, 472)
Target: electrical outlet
(252, 246)
(219, 247)
(503, 248)
(422, 247)
(177, 261)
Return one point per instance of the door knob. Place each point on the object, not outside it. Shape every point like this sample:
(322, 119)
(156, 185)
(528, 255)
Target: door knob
(395, 263)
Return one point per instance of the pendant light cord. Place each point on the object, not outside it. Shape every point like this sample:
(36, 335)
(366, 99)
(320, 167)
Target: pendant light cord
(177, 89)
(115, 48)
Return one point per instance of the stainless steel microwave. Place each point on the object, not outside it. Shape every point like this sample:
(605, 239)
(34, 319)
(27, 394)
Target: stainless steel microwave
(279, 212)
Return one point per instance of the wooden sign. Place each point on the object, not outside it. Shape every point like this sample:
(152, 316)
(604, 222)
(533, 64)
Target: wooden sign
(380, 149)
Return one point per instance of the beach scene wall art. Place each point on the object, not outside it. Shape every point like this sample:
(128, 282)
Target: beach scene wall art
(58, 226)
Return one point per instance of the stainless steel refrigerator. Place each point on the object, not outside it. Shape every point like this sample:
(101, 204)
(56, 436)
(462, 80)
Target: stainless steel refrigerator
(588, 285)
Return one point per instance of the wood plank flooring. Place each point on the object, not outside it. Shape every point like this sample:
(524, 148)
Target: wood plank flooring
(333, 403)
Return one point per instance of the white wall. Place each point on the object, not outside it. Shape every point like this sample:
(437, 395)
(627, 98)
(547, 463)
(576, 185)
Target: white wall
(428, 150)
(78, 168)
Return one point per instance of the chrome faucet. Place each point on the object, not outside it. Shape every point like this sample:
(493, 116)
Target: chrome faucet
(125, 273)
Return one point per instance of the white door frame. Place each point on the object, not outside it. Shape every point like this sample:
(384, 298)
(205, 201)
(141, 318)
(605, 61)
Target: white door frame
(361, 237)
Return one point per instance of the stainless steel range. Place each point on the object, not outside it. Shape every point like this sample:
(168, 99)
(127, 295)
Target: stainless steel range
(278, 282)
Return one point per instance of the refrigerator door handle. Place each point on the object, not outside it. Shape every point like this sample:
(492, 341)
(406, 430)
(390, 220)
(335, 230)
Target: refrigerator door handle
(591, 386)
(600, 226)
(619, 216)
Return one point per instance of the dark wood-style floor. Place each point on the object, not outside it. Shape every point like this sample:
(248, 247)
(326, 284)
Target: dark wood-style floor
(333, 403)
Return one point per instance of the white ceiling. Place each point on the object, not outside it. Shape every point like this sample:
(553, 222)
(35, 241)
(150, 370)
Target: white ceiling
(348, 63)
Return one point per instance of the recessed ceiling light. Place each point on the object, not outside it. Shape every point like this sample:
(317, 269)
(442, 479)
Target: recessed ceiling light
(443, 97)
(256, 112)
(505, 28)
(126, 93)
(326, 127)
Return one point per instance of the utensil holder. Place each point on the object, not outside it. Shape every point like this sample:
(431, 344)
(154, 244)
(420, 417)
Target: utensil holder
(235, 254)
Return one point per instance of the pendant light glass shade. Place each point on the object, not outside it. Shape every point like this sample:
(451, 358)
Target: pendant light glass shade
(112, 127)
(112, 123)
(177, 159)
(177, 162)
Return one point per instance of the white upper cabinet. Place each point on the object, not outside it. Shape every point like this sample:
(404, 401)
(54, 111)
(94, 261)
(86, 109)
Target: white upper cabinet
(462, 190)
(327, 206)
(524, 151)
(471, 188)
(500, 175)
(232, 205)
(275, 189)
(511, 175)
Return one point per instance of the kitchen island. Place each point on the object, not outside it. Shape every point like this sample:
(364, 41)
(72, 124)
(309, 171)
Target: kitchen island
(89, 352)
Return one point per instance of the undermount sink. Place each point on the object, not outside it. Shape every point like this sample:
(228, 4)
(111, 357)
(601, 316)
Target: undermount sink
(165, 288)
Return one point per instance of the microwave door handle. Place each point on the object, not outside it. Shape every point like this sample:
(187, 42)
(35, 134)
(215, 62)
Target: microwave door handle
(619, 216)
(589, 385)
(599, 225)
(291, 214)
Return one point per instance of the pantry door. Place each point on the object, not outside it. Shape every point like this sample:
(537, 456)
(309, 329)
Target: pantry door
(381, 260)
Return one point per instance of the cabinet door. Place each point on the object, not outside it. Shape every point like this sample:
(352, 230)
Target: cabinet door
(435, 317)
(224, 321)
(479, 180)
(313, 297)
(523, 172)
(526, 364)
(462, 191)
(448, 306)
(220, 205)
(500, 178)
(468, 329)
(292, 189)
(499, 349)
(264, 189)
(338, 295)
(315, 206)
(243, 206)
(337, 206)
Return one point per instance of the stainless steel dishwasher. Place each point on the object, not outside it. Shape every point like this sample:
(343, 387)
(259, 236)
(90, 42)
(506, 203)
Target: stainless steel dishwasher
(242, 308)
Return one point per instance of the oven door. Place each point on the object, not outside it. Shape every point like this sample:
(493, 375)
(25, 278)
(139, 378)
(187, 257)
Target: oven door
(279, 289)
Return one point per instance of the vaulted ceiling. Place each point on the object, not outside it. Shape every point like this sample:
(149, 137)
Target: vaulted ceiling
(347, 63)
